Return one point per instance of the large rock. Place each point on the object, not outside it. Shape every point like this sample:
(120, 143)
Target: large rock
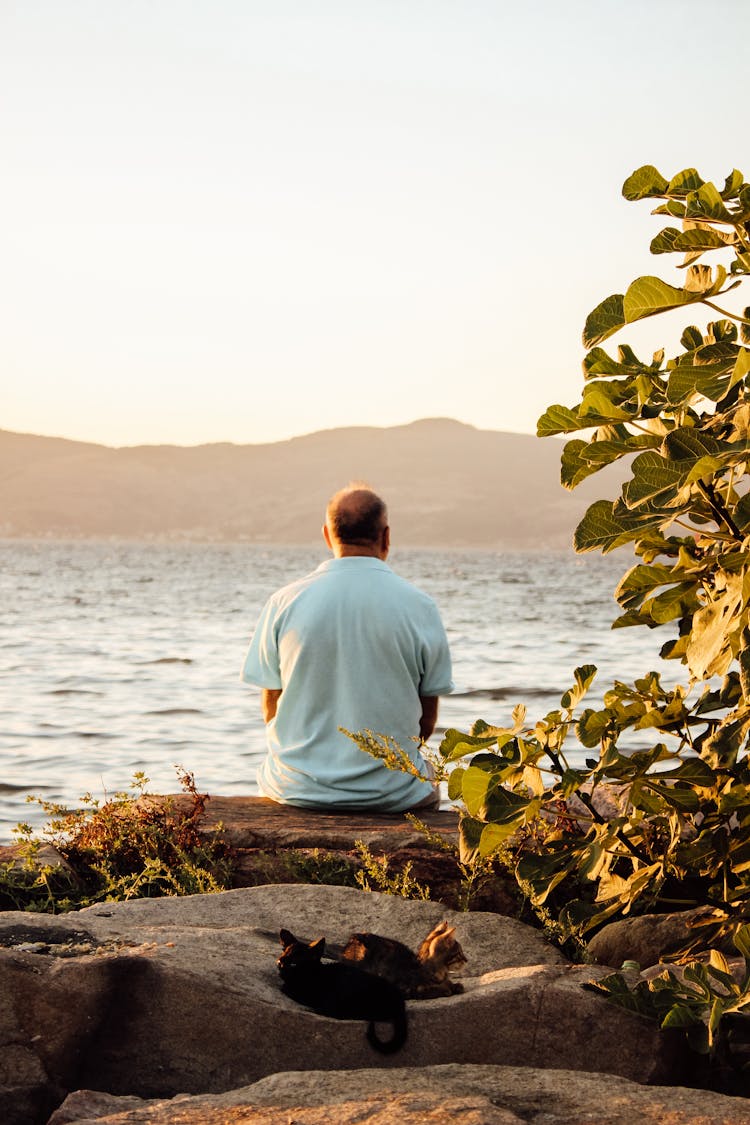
(51, 1010)
(644, 938)
(440, 1095)
(181, 995)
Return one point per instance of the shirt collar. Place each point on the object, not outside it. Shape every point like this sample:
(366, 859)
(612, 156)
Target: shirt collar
(354, 562)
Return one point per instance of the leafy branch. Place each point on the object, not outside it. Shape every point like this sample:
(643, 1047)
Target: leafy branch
(668, 823)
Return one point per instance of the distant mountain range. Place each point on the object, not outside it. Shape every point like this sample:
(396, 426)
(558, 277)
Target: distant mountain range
(445, 483)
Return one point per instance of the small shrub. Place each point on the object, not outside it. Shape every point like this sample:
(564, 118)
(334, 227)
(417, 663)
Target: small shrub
(132, 845)
(375, 876)
(315, 867)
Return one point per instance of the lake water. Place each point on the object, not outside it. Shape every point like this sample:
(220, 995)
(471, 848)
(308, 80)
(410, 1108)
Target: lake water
(117, 657)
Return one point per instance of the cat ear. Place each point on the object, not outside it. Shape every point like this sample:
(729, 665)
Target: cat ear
(319, 945)
(437, 931)
(286, 938)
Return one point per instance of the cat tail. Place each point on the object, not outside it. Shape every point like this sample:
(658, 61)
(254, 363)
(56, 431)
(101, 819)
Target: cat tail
(396, 1042)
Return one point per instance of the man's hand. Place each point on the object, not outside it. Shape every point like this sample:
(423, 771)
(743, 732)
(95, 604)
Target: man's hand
(429, 715)
(269, 701)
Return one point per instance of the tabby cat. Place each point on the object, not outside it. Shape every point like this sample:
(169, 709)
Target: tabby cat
(342, 991)
(419, 976)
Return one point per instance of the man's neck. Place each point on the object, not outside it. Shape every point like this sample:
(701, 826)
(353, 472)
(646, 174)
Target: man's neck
(352, 550)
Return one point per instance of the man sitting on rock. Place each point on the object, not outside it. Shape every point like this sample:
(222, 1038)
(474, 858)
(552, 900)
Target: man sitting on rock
(352, 645)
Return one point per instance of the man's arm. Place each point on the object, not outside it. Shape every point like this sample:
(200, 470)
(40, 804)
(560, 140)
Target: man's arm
(429, 715)
(269, 701)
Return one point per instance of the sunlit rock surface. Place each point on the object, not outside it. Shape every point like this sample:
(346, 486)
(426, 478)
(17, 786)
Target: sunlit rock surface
(181, 995)
(438, 1095)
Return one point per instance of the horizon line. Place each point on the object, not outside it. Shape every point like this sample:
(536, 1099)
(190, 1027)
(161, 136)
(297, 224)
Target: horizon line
(278, 441)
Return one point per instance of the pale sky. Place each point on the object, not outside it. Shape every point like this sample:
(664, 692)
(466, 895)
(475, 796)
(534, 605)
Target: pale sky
(243, 220)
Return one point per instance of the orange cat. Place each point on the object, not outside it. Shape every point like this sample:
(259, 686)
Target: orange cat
(419, 976)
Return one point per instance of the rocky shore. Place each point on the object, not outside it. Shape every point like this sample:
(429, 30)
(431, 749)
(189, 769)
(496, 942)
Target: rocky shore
(169, 1010)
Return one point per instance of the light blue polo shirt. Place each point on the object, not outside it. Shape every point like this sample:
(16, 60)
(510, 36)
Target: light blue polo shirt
(351, 645)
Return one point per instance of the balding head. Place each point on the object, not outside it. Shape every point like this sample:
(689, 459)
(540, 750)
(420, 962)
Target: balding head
(357, 523)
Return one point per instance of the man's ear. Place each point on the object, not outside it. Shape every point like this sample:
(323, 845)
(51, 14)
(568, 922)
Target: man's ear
(327, 537)
(386, 539)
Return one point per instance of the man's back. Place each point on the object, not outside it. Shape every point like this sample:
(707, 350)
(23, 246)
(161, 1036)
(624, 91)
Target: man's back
(355, 646)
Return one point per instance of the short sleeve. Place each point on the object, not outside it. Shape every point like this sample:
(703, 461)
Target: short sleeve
(437, 676)
(261, 665)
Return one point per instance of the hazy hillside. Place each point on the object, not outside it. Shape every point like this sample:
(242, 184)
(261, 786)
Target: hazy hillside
(445, 484)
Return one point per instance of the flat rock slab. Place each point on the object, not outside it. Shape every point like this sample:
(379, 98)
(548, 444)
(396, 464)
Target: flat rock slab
(438, 1095)
(256, 822)
(181, 995)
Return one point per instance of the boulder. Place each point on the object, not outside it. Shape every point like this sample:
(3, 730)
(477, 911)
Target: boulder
(181, 995)
(646, 938)
(440, 1095)
(51, 1008)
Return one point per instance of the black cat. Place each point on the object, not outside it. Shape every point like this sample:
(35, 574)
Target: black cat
(341, 991)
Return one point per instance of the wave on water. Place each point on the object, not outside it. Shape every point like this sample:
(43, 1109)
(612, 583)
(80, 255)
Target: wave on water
(73, 691)
(168, 660)
(511, 692)
(176, 711)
